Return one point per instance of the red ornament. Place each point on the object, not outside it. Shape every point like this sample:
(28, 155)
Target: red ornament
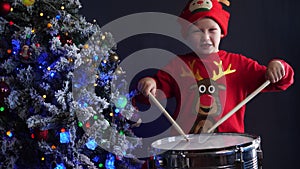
(41, 135)
(4, 8)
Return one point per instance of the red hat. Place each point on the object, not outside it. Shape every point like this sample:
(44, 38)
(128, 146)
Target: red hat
(197, 9)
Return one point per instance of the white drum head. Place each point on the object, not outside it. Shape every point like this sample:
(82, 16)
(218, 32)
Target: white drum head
(203, 141)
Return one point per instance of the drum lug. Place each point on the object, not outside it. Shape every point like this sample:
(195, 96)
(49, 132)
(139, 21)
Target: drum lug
(239, 161)
(259, 158)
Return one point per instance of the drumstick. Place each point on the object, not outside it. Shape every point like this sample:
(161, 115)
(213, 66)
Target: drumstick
(164, 111)
(236, 108)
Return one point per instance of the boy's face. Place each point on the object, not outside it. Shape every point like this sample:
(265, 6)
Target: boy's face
(205, 36)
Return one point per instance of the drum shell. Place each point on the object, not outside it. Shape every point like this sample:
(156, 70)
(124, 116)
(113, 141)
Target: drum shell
(246, 156)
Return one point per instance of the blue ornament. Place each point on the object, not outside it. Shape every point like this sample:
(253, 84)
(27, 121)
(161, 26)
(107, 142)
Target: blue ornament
(60, 166)
(121, 102)
(110, 162)
(91, 144)
(64, 137)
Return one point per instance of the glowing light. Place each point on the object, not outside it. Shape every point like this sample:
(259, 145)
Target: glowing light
(60, 166)
(87, 125)
(49, 68)
(52, 74)
(53, 147)
(58, 17)
(91, 144)
(64, 137)
(41, 14)
(43, 158)
(49, 25)
(2, 109)
(62, 7)
(121, 133)
(101, 165)
(95, 117)
(111, 114)
(9, 133)
(63, 130)
(121, 102)
(96, 159)
(110, 162)
(80, 124)
(32, 136)
(117, 111)
(44, 96)
(86, 46)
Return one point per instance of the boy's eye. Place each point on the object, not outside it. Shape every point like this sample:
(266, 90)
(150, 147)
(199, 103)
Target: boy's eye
(213, 30)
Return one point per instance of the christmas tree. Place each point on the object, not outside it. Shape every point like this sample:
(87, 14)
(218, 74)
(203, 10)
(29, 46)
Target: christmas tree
(62, 103)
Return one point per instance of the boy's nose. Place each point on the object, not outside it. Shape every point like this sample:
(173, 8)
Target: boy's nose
(205, 36)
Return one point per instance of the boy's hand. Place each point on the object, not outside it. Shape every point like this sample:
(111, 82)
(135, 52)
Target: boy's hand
(275, 71)
(147, 85)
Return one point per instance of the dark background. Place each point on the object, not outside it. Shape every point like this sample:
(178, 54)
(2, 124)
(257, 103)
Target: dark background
(259, 29)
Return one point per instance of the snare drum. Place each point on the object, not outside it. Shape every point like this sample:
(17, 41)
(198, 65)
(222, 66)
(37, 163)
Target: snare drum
(208, 151)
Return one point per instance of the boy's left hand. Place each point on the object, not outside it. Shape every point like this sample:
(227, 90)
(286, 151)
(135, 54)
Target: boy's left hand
(275, 71)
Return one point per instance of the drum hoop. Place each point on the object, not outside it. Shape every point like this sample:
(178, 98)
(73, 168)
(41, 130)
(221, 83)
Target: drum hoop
(254, 144)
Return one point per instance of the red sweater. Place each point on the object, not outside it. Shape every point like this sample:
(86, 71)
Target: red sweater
(233, 76)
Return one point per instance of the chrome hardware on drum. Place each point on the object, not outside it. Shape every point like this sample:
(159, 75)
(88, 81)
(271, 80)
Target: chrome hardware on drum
(208, 151)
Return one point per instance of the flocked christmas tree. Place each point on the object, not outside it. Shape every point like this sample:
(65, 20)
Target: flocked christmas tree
(61, 103)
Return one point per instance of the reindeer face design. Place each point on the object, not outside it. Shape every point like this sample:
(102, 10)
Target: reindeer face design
(200, 5)
(208, 103)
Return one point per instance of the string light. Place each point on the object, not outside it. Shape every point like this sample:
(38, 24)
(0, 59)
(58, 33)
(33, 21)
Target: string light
(87, 125)
(53, 147)
(91, 144)
(58, 17)
(49, 25)
(9, 133)
(2, 109)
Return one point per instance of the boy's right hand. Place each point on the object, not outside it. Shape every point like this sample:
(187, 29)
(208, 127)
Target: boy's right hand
(147, 85)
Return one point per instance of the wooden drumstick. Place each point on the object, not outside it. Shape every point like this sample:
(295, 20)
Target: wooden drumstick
(164, 111)
(236, 108)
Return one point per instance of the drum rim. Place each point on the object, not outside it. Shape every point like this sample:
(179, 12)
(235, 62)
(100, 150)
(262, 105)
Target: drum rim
(226, 149)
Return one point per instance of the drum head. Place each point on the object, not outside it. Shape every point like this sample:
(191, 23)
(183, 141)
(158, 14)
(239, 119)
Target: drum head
(205, 141)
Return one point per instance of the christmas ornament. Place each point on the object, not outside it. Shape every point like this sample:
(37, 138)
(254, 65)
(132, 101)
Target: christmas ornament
(121, 102)
(4, 8)
(42, 135)
(28, 2)
(25, 53)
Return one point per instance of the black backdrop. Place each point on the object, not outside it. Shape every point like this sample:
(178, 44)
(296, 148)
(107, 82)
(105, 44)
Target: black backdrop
(259, 29)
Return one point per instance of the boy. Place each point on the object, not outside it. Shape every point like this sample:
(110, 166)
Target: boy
(221, 79)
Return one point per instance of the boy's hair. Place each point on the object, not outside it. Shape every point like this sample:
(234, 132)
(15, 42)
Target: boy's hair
(196, 9)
